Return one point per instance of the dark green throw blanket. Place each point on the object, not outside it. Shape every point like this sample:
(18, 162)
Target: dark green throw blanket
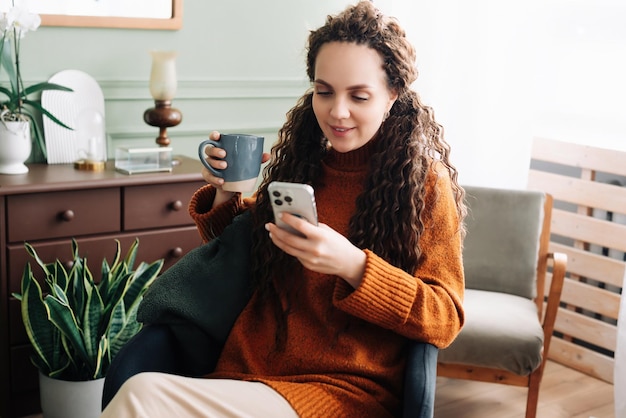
(201, 296)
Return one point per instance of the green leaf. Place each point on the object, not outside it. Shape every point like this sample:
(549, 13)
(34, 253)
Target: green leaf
(40, 108)
(142, 278)
(40, 331)
(75, 252)
(59, 275)
(6, 91)
(58, 372)
(118, 254)
(101, 358)
(7, 61)
(116, 272)
(45, 86)
(38, 135)
(76, 364)
(31, 251)
(64, 319)
(122, 328)
(59, 293)
(132, 254)
(117, 322)
(78, 289)
(105, 279)
(91, 322)
(115, 295)
(84, 287)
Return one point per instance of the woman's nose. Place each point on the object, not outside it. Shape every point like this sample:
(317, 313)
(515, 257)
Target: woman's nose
(340, 109)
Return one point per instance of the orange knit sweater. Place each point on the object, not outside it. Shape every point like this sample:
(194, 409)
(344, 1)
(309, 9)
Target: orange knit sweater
(344, 355)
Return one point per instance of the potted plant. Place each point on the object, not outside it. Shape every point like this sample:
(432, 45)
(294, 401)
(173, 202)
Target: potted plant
(77, 326)
(18, 110)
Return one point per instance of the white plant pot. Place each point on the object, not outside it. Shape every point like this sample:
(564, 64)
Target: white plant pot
(63, 399)
(15, 147)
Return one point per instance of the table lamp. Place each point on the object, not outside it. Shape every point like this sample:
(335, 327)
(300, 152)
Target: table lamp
(163, 86)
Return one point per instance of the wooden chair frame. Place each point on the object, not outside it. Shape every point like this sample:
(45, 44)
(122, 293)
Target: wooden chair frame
(558, 261)
(587, 225)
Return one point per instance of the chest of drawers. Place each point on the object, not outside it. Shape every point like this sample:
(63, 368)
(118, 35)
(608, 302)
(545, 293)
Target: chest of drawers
(53, 204)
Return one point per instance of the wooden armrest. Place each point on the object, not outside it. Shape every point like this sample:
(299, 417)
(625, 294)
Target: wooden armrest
(559, 265)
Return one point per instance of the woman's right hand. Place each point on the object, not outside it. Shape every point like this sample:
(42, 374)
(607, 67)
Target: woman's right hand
(215, 157)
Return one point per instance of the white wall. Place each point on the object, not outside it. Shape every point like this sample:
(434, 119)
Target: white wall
(581, 71)
(498, 73)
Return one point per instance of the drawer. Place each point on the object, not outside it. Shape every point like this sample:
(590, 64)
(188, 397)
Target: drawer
(169, 244)
(158, 205)
(63, 214)
(95, 249)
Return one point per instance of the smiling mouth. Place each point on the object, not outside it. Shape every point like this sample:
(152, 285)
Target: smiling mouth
(341, 130)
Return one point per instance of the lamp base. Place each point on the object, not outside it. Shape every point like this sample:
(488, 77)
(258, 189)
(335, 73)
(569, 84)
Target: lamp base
(162, 116)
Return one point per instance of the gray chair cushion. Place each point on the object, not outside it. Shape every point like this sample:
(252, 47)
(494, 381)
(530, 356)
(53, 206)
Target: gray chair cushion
(501, 331)
(502, 242)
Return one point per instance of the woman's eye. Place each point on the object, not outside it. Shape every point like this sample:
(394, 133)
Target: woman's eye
(360, 98)
(323, 93)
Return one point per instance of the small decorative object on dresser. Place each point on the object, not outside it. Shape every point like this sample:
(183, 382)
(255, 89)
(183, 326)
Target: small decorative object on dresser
(17, 110)
(77, 326)
(85, 145)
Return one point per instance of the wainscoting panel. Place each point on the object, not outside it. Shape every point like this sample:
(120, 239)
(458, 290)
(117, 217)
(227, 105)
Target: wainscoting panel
(255, 106)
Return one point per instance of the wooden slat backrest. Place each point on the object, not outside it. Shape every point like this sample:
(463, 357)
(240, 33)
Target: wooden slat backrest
(577, 177)
(578, 191)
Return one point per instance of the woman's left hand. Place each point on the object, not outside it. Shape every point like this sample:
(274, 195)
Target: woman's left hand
(322, 250)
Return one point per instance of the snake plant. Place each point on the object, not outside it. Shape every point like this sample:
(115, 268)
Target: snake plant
(77, 326)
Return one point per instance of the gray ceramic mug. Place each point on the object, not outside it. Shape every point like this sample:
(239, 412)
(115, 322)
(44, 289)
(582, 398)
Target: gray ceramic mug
(243, 158)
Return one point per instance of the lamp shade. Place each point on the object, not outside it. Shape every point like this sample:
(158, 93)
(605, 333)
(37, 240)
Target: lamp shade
(163, 81)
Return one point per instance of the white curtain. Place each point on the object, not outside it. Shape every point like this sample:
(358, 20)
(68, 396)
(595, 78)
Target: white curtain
(620, 359)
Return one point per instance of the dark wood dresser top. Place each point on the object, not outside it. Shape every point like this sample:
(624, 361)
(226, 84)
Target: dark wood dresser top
(47, 178)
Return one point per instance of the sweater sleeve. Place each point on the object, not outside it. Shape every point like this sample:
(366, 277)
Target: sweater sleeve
(426, 306)
(212, 221)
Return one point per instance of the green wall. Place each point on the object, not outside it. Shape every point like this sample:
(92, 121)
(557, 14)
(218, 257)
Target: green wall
(240, 67)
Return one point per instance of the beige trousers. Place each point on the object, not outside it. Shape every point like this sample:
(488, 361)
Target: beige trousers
(155, 395)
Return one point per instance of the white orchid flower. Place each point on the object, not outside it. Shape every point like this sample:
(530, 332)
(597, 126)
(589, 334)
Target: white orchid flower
(21, 20)
(5, 25)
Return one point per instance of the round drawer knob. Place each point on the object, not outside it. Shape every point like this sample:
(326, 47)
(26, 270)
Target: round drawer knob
(67, 215)
(176, 252)
(176, 205)
(68, 265)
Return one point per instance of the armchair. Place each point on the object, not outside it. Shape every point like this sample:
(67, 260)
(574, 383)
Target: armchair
(509, 318)
(156, 348)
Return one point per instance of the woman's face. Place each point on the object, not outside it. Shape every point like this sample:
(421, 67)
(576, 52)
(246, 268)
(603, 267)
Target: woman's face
(351, 96)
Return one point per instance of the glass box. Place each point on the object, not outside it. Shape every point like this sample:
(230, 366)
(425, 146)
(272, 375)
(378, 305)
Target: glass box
(143, 160)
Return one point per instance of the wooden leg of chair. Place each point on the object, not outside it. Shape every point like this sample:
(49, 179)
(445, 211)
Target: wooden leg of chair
(533, 393)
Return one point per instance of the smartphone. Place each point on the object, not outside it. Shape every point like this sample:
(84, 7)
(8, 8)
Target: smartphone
(294, 198)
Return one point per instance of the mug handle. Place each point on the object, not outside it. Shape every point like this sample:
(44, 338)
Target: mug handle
(202, 156)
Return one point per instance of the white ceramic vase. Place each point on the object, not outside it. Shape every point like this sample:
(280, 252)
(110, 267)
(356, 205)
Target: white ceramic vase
(63, 399)
(15, 147)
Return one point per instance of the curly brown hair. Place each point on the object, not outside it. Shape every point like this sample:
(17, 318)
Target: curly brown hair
(388, 218)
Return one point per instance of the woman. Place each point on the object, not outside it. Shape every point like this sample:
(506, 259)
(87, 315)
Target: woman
(325, 332)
